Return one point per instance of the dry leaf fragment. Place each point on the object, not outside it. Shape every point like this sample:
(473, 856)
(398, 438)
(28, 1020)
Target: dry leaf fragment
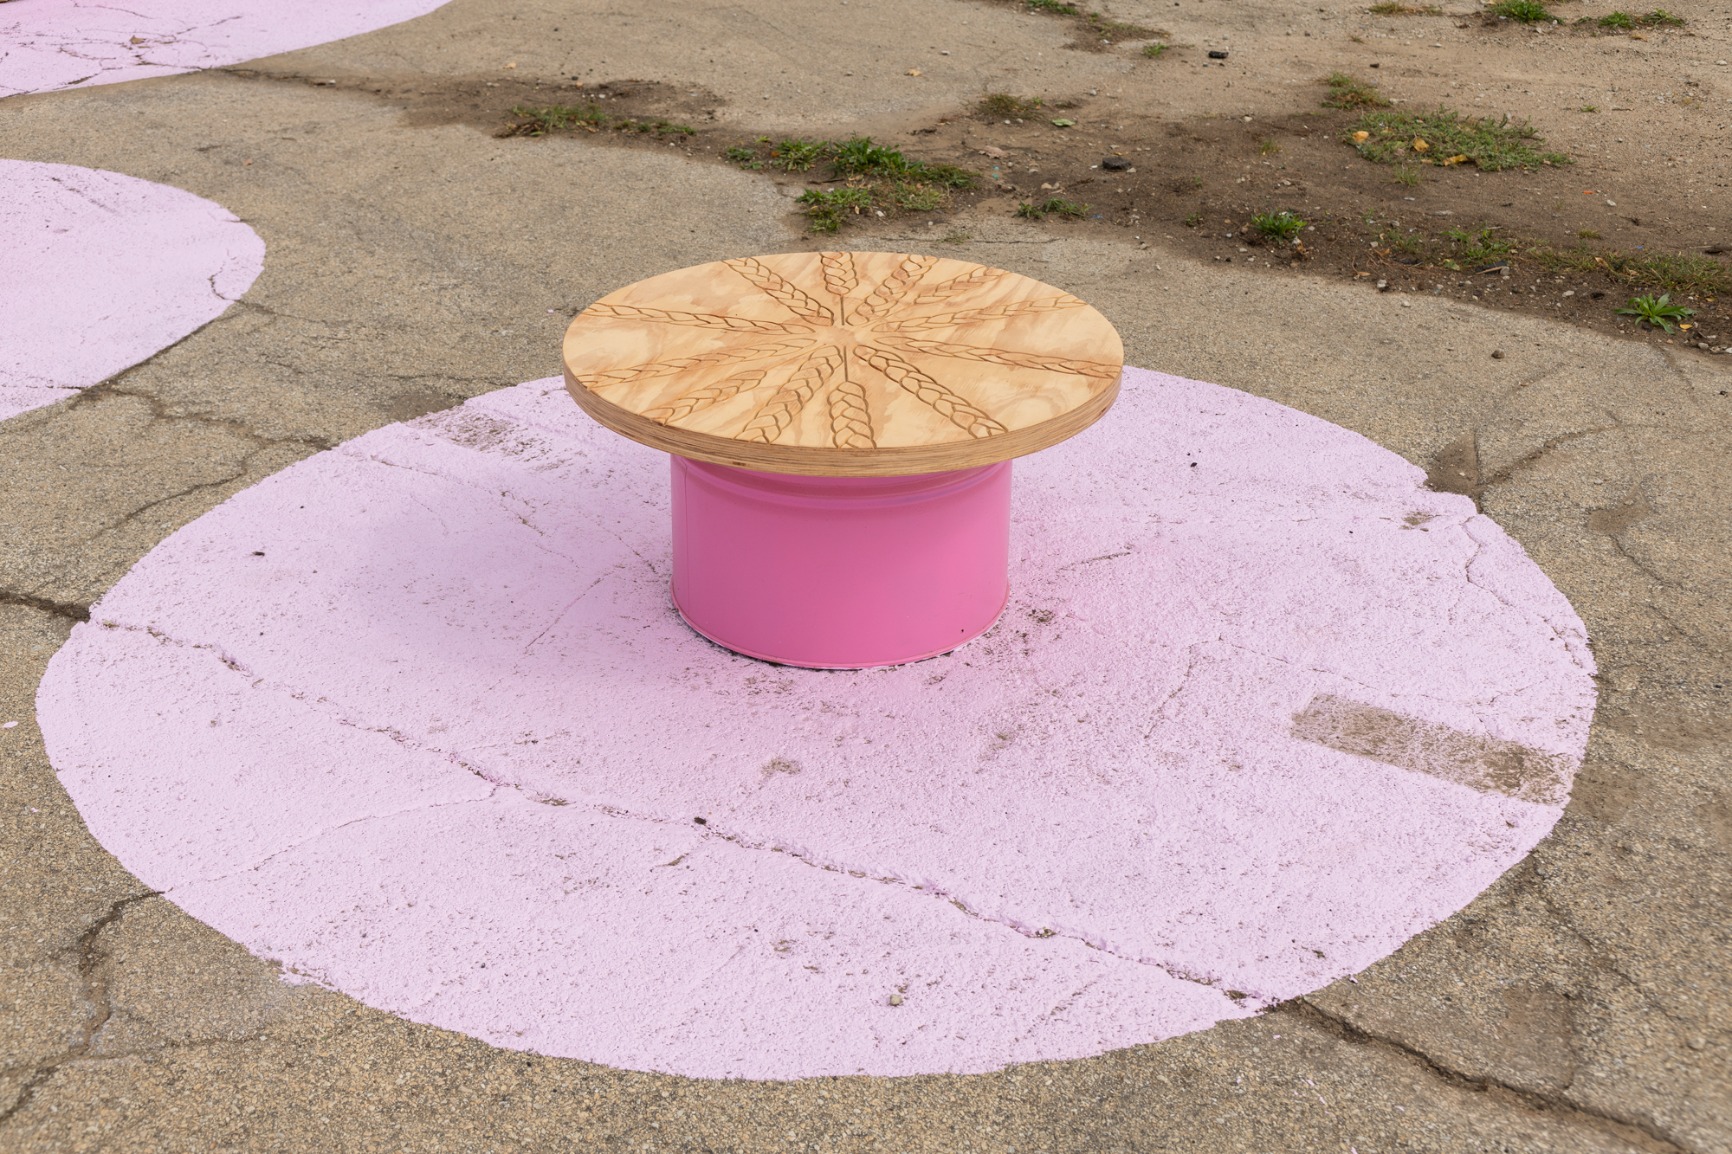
(914, 72)
(1459, 158)
(1419, 145)
(1361, 136)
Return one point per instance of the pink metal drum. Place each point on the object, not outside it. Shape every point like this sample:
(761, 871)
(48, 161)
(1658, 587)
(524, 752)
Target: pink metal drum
(842, 426)
(840, 572)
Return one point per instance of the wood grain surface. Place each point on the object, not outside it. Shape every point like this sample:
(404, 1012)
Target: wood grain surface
(843, 364)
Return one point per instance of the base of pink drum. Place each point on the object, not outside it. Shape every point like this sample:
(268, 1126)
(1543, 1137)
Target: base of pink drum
(840, 572)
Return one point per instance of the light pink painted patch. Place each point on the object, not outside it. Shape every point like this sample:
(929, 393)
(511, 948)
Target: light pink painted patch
(52, 44)
(416, 718)
(99, 271)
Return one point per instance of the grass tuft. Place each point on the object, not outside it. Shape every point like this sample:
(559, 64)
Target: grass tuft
(1052, 206)
(584, 118)
(1444, 137)
(1109, 29)
(874, 178)
(1351, 93)
(828, 209)
(1156, 50)
(1625, 22)
(1004, 106)
(1391, 8)
(1523, 11)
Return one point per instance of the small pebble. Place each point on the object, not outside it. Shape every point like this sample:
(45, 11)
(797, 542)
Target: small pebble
(1382, 286)
(1217, 54)
(895, 999)
(1497, 354)
(1115, 164)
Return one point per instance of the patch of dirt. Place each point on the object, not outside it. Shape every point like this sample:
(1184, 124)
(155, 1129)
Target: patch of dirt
(1554, 241)
(1196, 186)
(485, 101)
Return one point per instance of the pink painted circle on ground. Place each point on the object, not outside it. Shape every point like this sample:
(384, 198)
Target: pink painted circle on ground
(99, 271)
(52, 44)
(415, 718)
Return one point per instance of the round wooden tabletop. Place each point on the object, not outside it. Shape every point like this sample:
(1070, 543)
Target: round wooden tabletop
(843, 363)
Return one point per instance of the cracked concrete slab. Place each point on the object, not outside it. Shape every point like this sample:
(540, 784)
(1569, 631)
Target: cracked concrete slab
(1464, 1039)
(1272, 534)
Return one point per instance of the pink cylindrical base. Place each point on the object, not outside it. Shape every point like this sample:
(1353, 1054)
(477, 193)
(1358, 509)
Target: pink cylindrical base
(840, 572)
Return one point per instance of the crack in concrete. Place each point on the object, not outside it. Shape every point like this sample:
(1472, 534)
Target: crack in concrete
(928, 888)
(1533, 882)
(1644, 1135)
(805, 856)
(71, 610)
(93, 978)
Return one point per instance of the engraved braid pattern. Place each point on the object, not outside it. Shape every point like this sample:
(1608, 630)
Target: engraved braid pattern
(705, 396)
(1005, 357)
(943, 290)
(1013, 309)
(790, 297)
(974, 350)
(779, 411)
(840, 279)
(701, 320)
(941, 400)
(892, 288)
(631, 374)
(850, 419)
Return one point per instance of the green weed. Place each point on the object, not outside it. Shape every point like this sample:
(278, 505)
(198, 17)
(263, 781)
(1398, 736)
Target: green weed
(1281, 225)
(1408, 175)
(1155, 51)
(1445, 137)
(1658, 311)
(1391, 8)
(1056, 7)
(1267, 147)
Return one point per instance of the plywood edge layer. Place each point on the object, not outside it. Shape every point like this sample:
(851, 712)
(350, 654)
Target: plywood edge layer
(816, 461)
